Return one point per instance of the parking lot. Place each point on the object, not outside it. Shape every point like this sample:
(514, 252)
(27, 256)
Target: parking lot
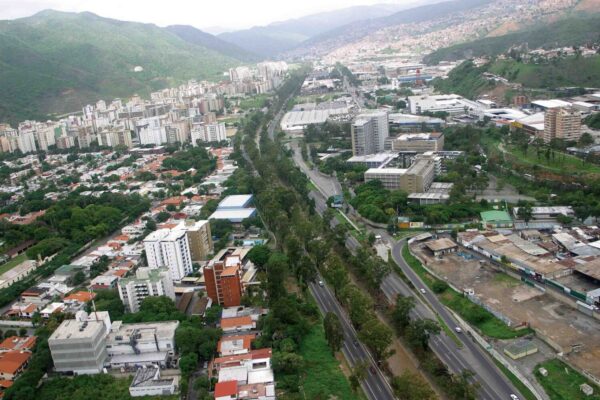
(566, 329)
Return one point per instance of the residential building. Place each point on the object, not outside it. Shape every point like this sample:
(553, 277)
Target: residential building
(415, 179)
(369, 133)
(215, 132)
(12, 363)
(79, 346)
(223, 279)
(199, 238)
(147, 282)
(563, 123)
(153, 249)
(176, 254)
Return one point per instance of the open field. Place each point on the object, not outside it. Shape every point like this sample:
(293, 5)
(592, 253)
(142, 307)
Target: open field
(12, 263)
(562, 382)
(561, 163)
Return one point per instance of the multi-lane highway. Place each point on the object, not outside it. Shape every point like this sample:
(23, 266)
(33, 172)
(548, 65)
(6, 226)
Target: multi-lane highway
(374, 385)
(468, 356)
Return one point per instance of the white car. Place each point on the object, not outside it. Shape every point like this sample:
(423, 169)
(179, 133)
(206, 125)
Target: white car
(457, 329)
(423, 291)
(321, 283)
(514, 397)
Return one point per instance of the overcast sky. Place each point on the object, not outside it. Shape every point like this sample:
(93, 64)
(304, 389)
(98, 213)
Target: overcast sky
(199, 13)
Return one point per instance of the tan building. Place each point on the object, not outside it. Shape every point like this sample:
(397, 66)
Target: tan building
(199, 238)
(562, 123)
(416, 179)
(419, 142)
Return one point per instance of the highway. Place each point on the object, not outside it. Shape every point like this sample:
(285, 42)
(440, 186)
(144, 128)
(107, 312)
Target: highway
(493, 384)
(374, 385)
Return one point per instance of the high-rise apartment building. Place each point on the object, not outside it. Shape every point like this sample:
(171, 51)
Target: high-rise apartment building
(562, 123)
(208, 133)
(147, 282)
(171, 249)
(199, 238)
(223, 279)
(369, 133)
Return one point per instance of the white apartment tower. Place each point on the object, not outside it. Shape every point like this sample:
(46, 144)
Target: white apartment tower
(170, 249)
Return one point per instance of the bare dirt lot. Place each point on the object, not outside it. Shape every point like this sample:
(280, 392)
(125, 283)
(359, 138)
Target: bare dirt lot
(557, 323)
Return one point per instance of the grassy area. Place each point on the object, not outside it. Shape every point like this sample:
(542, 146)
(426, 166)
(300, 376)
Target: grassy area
(258, 101)
(12, 263)
(474, 314)
(562, 382)
(506, 280)
(527, 394)
(560, 163)
(323, 376)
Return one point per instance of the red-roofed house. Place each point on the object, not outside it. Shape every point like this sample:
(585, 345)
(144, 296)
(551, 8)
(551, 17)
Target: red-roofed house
(226, 390)
(18, 343)
(80, 297)
(12, 363)
(237, 324)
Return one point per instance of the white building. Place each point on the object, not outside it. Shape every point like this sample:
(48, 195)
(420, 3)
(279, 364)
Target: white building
(150, 131)
(450, 103)
(154, 254)
(147, 282)
(209, 133)
(26, 141)
(176, 254)
(148, 382)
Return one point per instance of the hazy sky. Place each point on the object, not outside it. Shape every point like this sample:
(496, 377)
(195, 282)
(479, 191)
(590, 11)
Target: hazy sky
(199, 13)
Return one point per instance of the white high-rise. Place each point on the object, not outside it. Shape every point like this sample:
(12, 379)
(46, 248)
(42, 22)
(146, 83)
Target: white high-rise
(176, 254)
(171, 249)
(369, 132)
(208, 133)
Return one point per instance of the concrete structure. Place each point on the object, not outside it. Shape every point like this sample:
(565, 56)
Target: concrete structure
(389, 177)
(449, 103)
(147, 282)
(415, 123)
(199, 238)
(419, 142)
(415, 179)
(372, 160)
(206, 133)
(369, 132)
(496, 219)
(562, 123)
(171, 249)
(223, 279)
(79, 346)
(148, 382)
(235, 208)
(153, 249)
(141, 344)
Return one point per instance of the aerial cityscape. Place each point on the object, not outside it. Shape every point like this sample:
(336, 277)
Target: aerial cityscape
(325, 200)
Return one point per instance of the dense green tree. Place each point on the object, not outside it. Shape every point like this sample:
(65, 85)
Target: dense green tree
(378, 337)
(401, 312)
(419, 332)
(334, 333)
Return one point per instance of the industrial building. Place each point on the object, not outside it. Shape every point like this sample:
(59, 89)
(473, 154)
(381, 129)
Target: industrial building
(452, 104)
(372, 160)
(148, 382)
(147, 282)
(414, 123)
(369, 133)
(235, 208)
(297, 120)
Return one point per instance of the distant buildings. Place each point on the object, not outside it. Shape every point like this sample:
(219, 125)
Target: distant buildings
(206, 133)
(369, 133)
(147, 282)
(448, 103)
(419, 142)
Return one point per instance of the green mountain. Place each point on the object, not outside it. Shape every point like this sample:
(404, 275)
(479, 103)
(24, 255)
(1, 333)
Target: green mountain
(571, 31)
(56, 62)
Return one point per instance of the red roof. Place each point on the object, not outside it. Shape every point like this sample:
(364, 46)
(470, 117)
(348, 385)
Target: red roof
(81, 296)
(252, 355)
(20, 343)
(12, 361)
(226, 388)
(236, 321)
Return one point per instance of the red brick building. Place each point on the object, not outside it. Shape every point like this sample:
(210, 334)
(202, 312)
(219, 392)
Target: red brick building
(223, 280)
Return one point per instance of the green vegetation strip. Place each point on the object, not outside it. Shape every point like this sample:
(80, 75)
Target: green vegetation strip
(476, 315)
(559, 163)
(449, 332)
(323, 377)
(12, 263)
(562, 382)
(524, 390)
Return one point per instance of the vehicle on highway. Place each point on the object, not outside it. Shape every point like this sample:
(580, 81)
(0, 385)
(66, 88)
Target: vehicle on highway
(457, 329)
(514, 397)
(356, 343)
(321, 283)
(423, 291)
(377, 237)
(372, 369)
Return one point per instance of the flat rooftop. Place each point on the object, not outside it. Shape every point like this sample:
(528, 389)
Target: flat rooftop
(72, 329)
(235, 201)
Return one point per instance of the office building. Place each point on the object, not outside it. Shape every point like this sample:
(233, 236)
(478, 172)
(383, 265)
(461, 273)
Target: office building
(147, 282)
(563, 123)
(415, 179)
(199, 238)
(449, 103)
(79, 346)
(223, 279)
(419, 142)
(369, 133)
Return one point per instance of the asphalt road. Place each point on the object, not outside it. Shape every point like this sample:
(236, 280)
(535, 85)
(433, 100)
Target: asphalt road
(493, 384)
